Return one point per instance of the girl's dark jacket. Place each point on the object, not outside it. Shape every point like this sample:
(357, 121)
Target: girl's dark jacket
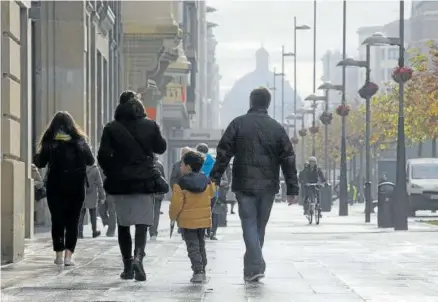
(126, 153)
(67, 159)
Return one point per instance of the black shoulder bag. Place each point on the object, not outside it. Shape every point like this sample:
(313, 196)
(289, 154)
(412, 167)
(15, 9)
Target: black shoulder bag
(160, 184)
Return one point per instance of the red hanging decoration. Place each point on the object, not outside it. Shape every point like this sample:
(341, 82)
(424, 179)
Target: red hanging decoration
(402, 74)
(343, 110)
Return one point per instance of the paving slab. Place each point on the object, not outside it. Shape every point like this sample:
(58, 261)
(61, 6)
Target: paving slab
(343, 259)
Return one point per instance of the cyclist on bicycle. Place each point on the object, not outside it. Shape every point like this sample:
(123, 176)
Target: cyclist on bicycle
(311, 174)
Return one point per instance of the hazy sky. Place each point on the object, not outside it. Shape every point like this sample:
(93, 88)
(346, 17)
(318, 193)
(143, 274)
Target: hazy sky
(245, 25)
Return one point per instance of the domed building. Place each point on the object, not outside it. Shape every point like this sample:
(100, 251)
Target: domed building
(236, 101)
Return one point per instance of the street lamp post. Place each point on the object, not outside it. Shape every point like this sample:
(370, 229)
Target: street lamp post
(367, 91)
(401, 220)
(283, 54)
(314, 47)
(296, 28)
(302, 113)
(400, 194)
(314, 98)
(327, 86)
(275, 89)
(343, 193)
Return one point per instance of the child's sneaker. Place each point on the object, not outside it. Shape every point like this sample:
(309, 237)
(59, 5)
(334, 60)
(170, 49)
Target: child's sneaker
(198, 277)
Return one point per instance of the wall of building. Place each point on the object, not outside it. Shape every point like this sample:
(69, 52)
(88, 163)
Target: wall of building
(77, 65)
(16, 197)
(201, 77)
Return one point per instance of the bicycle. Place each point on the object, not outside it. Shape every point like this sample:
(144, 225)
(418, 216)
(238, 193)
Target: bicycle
(314, 208)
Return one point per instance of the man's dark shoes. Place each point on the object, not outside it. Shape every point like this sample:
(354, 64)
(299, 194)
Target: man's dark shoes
(213, 237)
(198, 277)
(139, 273)
(80, 236)
(128, 273)
(254, 278)
(96, 234)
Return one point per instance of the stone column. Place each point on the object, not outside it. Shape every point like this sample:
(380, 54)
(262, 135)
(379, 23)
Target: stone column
(13, 165)
(93, 84)
(62, 61)
(26, 118)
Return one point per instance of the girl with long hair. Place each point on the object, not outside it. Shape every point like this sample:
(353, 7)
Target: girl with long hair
(64, 150)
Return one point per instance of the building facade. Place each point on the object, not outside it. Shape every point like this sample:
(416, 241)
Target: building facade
(77, 64)
(59, 56)
(16, 196)
(78, 56)
(213, 79)
(423, 23)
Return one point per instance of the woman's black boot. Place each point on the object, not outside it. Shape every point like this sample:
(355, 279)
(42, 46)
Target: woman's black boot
(128, 272)
(139, 273)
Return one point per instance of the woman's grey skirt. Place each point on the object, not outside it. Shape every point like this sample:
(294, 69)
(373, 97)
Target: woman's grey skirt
(133, 209)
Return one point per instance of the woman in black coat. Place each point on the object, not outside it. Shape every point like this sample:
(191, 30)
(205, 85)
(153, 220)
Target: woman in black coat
(126, 156)
(63, 148)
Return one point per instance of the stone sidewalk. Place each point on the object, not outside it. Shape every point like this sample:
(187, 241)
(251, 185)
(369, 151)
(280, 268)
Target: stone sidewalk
(340, 260)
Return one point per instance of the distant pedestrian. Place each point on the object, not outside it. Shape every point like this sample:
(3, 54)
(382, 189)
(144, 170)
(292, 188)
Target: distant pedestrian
(94, 195)
(216, 210)
(107, 212)
(42, 212)
(126, 156)
(158, 198)
(63, 148)
(260, 146)
(190, 208)
(176, 168)
(209, 159)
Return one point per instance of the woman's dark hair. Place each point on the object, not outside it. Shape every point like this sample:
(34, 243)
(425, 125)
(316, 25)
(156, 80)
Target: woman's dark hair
(127, 96)
(194, 160)
(260, 97)
(62, 121)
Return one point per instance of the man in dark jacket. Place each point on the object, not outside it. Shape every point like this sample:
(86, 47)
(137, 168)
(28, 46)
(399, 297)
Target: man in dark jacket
(260, 146)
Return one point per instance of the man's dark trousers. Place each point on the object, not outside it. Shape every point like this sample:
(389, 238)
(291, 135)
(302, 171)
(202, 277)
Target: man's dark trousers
(254, 212)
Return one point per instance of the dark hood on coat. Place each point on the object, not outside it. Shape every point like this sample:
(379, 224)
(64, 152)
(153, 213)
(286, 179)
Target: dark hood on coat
(194, 182)
(130, 110)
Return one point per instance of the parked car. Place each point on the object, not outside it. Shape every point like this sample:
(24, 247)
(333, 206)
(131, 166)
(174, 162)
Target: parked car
(422, 184)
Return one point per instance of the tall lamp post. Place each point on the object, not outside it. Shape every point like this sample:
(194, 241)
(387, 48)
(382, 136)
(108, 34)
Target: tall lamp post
(314, 46)
(275, 75)
(326, 118)
(296, 28)
(367, 91)
(283, 54)
(343, 193)
(314, 98)
(401, 220)
(303, 131)
(402, 207)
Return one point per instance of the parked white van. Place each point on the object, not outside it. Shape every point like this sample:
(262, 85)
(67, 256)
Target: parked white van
(422, 184)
